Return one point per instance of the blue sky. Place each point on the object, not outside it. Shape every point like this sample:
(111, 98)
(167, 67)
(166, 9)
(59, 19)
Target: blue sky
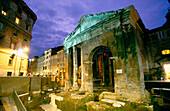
(58, 18)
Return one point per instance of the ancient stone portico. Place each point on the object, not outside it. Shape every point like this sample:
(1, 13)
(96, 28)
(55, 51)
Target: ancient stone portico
(109, 48)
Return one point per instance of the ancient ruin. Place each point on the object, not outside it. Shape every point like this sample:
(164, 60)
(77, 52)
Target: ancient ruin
(109, 49)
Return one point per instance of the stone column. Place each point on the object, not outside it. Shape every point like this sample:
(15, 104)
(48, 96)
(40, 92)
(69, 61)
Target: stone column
(67, 74)
(90, 71)
(75, 68)
(82, 72)
(87, 83)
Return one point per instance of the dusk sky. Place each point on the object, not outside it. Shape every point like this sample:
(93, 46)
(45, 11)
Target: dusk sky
(58, 18)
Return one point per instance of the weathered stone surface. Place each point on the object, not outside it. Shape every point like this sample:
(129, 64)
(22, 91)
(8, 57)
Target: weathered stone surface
(107, 95)
(73, 101)
(120, 33)
(96, 106)
(8, 84)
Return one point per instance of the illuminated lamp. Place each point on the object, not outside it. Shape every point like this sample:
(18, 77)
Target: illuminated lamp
(165, 52)
(20, 52)
(26, 49)
(167, 71)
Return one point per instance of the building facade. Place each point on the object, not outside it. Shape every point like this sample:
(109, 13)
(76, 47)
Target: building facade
(61, 66)
(51, 61)
(158, 49)
(40, 65)
(32, 67)
(47, 56)
(16, 22)
(110, 51)
(57, 65)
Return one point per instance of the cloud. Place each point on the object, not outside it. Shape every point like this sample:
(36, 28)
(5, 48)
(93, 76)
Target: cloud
(58, 18)
(46, 13)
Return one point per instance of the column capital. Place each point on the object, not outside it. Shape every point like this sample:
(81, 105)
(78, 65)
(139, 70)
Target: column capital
(74, 48)
(66, 51)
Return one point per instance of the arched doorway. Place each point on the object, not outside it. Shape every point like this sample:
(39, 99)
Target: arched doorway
(102, 67)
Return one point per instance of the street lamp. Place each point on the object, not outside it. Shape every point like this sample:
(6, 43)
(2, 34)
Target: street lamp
(20, 52)
(26, 49)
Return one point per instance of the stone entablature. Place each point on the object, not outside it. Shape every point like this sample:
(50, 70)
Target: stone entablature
(111, 21)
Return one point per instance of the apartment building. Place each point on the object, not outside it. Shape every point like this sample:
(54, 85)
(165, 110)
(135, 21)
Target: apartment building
(16, 22)
(159, 51)
(50, 56)
(58, 66)
(40, 65)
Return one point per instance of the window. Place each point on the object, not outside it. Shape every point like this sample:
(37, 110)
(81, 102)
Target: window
(10, 62)
(12, 56)
(1, 39)
(1, 26)
(15, 32)
(45, 68)
(161, 35)
(21, 74)
(28, 19)
(25, 39)
(17, 20)
(27, 27)
(4, 11)
(9, 73)
(13, 46)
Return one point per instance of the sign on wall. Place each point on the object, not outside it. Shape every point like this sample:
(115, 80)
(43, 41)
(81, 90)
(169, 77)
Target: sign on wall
(118, 71)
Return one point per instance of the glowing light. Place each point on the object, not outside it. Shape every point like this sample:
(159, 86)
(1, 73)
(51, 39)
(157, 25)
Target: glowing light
(17, 20)
(164, 52)
(4, 13)
(167, 70)
(20, 52)
(26, 49)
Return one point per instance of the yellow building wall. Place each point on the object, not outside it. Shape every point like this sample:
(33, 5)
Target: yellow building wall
(16, 63)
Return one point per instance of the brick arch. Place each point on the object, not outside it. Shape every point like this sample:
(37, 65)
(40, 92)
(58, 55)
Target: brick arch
(97, 49)
(94, 50)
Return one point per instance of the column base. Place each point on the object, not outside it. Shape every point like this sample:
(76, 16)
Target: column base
(75, 86)
(81, 89)
(67, 86)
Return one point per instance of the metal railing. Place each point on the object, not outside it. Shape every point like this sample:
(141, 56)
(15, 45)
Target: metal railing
(18, 102)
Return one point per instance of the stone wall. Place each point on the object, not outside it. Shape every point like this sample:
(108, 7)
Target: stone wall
(23, 84)
(8, 84)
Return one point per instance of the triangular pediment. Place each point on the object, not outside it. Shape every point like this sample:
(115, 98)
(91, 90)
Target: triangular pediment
(89, 20)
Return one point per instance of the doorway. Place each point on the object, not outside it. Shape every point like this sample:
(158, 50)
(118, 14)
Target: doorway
(102, 67)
